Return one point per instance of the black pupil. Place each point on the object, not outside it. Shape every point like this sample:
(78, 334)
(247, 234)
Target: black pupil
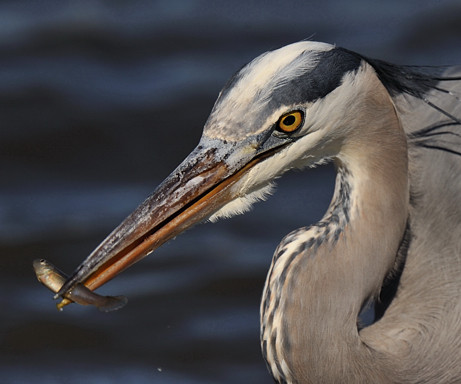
(289, 120)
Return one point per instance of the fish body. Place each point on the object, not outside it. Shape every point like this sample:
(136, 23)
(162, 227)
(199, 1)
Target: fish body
(52, 278)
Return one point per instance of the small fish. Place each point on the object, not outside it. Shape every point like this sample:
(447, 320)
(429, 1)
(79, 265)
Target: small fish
(52, 278)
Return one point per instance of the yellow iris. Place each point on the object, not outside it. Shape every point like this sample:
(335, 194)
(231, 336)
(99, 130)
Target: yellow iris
(290, 122)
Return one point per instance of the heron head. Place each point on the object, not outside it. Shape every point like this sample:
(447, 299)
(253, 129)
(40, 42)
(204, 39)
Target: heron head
(287, 108)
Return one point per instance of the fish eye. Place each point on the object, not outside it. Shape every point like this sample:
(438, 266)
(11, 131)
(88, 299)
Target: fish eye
(290, 122)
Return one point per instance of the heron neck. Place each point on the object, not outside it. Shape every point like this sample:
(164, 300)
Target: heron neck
(321, 276)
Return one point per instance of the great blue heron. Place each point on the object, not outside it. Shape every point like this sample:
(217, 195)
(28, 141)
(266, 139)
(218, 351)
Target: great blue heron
(392, 233)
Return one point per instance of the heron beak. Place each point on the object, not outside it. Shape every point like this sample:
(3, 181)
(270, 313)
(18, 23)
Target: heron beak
(199, 187)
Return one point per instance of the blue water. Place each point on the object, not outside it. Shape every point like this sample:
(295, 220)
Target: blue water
(99, 101)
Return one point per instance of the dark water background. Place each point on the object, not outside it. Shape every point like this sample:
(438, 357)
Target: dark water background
(100, 100)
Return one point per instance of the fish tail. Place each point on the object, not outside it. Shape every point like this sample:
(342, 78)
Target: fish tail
(113, 303)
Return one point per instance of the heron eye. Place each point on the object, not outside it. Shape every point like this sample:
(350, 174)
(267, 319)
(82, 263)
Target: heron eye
(290, 122)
